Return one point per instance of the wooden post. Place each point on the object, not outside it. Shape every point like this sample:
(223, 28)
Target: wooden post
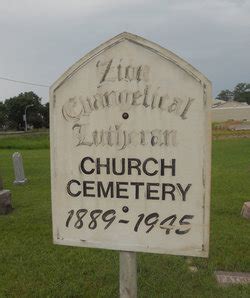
(128, 275)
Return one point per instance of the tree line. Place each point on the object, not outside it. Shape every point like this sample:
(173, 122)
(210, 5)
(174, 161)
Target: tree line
(241, 93)
(13, 109)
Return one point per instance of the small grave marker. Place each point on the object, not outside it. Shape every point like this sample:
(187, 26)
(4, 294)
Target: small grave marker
(245, 211)
(5, 200)
(224, 277)
(18, 168)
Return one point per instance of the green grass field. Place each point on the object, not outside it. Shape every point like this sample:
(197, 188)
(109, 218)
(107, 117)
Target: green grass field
(31, 266)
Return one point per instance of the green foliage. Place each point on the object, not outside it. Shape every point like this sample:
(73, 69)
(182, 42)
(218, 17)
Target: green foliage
(45, 114)
(239, 89)
(3, 115)
(240, 93)
(14, 109)
(31, 266)
(225, 95)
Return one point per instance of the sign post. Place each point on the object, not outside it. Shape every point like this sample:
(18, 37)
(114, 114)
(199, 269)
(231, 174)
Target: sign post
(128, 274)
(130, 154)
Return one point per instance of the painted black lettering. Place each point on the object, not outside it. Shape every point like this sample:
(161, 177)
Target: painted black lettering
(119, 189)
(105, 165)
(136, 95)
(136, 165)
(144, 166)
(138, 73)
(119, 72)
(172, 166)
(183, 191)
(137, 186)
(151, 191)
(183, 114)
(86, 187)
(129, 73)
(114, 167)
(141, 216)
(102, 192)
(83, 169)
(80, 214)
(69, 190)
(71, 213)
(94, 215)
(151, 220)
(168, 188)
(109, 216)
(145, 103)
(182, 222)
(169, 227)
(106, 71)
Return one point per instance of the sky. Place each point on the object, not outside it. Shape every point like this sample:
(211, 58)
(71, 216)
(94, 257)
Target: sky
(41, 39)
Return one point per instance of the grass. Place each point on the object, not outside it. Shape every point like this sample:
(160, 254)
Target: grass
(31, 266)
(25, 141)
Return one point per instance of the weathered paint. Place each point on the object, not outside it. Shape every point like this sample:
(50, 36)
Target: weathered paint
(130, 151)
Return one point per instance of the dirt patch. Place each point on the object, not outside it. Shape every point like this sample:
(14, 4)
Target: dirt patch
(231, 129)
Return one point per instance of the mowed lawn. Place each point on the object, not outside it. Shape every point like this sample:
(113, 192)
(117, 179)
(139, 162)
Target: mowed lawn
(31, 266)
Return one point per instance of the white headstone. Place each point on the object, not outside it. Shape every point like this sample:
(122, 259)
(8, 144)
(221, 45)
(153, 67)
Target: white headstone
(245, 211)
(130, 151)
(18, 168)
(5, 199)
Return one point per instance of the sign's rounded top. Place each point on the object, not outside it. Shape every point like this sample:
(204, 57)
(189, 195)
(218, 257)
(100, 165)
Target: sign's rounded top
(130, 151)
(149, 45)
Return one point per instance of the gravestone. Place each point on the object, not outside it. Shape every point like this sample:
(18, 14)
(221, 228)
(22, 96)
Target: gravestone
(130, 151)
(245, 211)
(226, 278)
(5, 200)
(18, 168)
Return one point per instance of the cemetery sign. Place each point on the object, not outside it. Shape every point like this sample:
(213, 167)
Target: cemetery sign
(130, 151)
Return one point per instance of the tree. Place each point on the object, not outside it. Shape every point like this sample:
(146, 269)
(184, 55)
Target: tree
(45, 115)
(239, 89)
(15, 108)
(3, 115)
(225, 95)
(242, 92)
